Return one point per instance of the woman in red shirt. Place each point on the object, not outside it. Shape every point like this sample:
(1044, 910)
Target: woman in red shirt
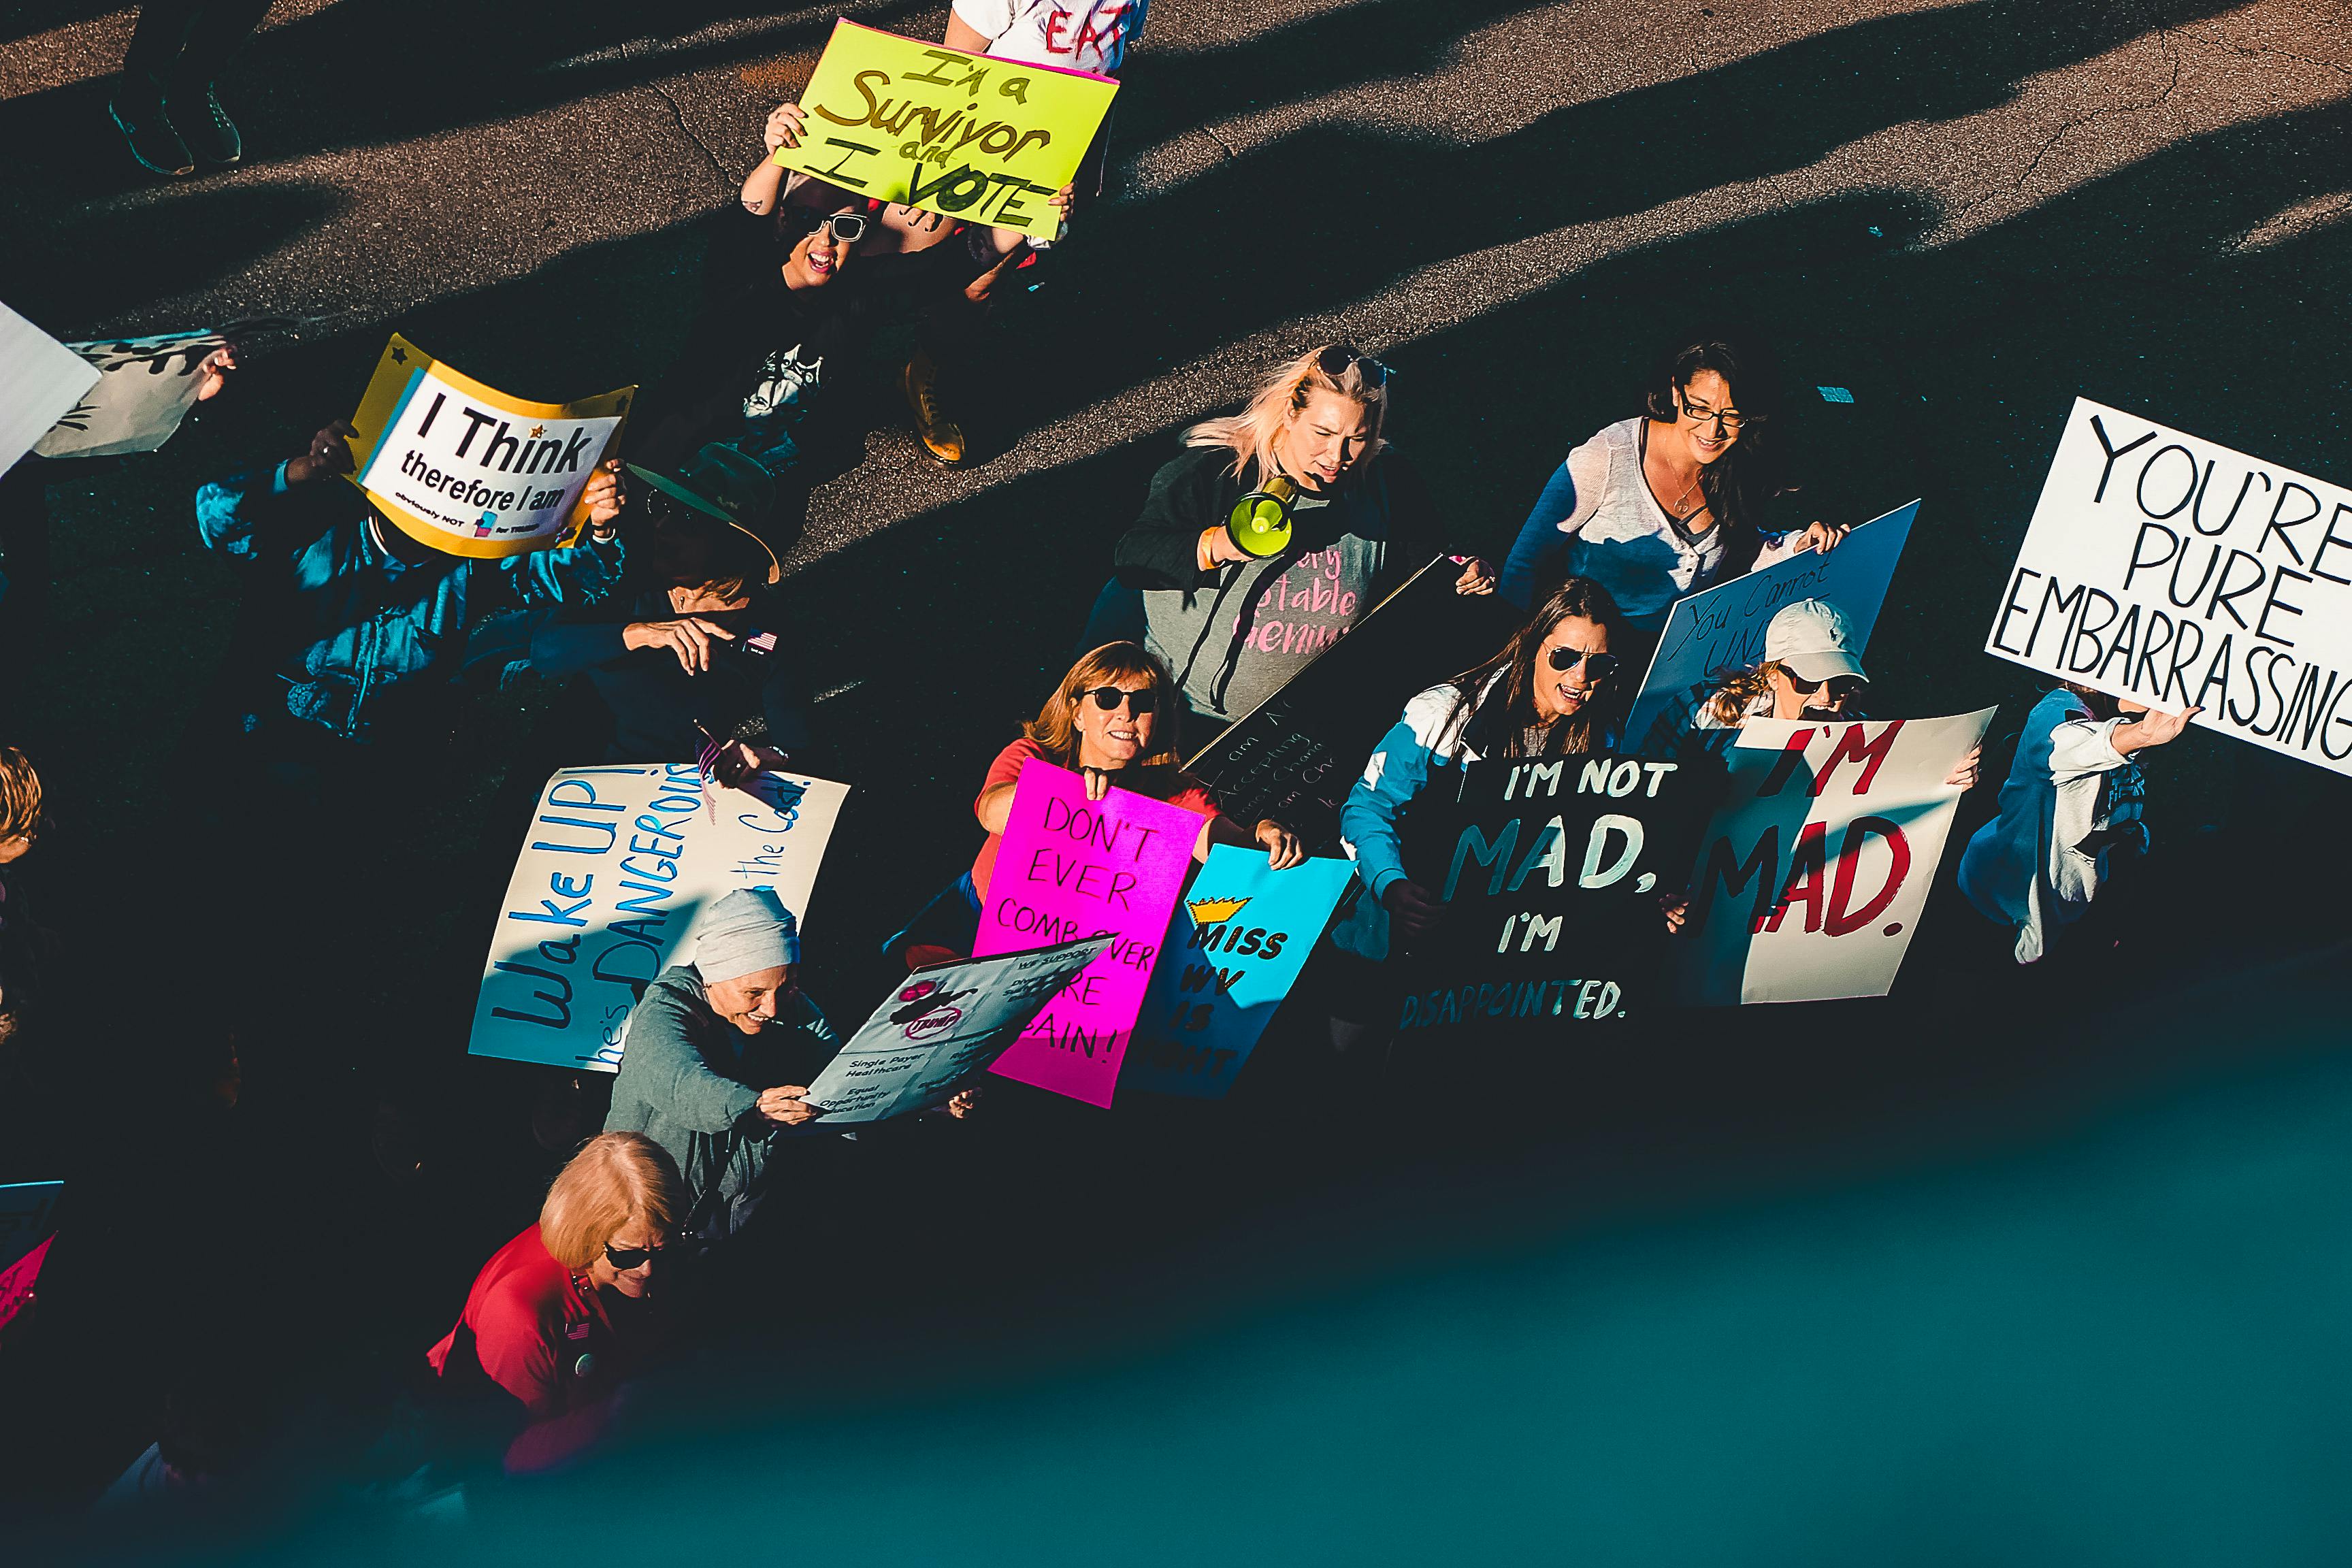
(561, 1316)
(1112, 719)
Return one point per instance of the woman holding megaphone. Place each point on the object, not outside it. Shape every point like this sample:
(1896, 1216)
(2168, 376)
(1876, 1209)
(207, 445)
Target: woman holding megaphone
(1274, 532)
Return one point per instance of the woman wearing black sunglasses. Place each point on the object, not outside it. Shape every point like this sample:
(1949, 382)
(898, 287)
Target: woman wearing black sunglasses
(945, 273)
(1555, 689)
(563, 1314)
(776, 307)
(1112, 719)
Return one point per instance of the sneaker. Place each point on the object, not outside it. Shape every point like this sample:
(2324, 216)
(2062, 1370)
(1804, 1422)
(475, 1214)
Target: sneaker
(137, 110)
(206, 125)
(942, 436)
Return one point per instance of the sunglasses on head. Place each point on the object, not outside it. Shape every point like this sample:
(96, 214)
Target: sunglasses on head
(1334, 361)
(1599, 665)
(627, 1257)
(1108, 698)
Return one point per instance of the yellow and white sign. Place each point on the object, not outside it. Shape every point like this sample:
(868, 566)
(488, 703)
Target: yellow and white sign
(970, 136)
(465, 468)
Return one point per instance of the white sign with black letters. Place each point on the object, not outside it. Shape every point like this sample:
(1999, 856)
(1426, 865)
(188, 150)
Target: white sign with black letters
(2168, 570)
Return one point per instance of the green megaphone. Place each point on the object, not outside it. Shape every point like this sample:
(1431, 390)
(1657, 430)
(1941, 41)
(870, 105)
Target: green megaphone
(1259, 525)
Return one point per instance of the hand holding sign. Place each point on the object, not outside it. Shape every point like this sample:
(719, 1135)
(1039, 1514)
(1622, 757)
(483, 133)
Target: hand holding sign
(968, 136)
(787, 1105)
(471, 471)
(2152, 728)
(330, 452)
(2168, 571)
(938, 1027)
(1073, 864)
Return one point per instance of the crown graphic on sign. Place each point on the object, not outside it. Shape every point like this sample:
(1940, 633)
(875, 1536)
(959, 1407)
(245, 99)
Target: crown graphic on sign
(1210, 911)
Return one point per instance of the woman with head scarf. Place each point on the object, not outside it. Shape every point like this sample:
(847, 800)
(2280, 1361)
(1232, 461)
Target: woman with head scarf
(717, 1057)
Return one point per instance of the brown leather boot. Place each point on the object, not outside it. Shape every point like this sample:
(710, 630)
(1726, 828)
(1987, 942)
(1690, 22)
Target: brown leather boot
(942, 436)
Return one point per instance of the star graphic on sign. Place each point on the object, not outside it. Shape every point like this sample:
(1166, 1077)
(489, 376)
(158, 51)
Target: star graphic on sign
(537, 431)
(400, 356)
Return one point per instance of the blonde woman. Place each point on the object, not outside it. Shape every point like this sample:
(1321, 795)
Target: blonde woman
(561, 1316)
(1111, 719)
(1234, 627)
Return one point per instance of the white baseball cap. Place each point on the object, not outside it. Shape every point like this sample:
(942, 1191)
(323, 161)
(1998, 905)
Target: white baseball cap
(1812, 640)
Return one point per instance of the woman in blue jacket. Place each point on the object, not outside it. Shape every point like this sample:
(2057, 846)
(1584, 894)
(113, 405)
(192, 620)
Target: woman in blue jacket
(1555, 689)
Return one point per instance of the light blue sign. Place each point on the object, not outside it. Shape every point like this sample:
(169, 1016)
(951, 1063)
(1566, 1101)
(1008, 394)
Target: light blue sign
(1723, 628)
(1234, 948)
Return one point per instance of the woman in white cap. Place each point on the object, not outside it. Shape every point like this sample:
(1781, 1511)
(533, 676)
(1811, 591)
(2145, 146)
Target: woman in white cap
(1809, 671)
(717, 1057)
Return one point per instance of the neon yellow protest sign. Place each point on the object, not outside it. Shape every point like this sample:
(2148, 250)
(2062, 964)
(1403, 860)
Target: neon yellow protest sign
(463, 467)
(968, 136)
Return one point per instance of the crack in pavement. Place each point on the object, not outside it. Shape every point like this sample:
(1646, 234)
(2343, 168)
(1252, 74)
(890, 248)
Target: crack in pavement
(2026, 173)
(678, 114)
(2248, 51)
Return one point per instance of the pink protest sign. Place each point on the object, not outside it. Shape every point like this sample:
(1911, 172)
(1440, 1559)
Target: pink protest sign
(1071, 867)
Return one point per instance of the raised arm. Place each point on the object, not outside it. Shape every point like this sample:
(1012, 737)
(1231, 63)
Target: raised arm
(237, 516)
(764, 185)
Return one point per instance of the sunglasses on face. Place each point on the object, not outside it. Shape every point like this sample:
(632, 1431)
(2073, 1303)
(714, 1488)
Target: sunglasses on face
(847, 227)
(1108, 698)
(1334, 361)
(1599, 665)
(1840, 686)
(627, 1257)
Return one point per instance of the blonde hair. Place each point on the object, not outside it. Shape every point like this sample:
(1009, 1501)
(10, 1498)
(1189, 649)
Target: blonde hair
(20, 795)
(1740, 689)
(616, 1177)
(1283, 393)
(1055, 728)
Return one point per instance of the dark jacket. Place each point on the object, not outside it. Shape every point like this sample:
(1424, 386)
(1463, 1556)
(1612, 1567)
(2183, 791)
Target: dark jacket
(653, 703)
(691, 1081)
(340, 634)
(1232, 635)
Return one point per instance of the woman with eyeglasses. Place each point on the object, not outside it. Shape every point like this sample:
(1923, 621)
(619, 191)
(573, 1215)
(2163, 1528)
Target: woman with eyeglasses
(1555, 689)
(1667, 502)
(1111, 719)
(1237, 612)
(567, 1311)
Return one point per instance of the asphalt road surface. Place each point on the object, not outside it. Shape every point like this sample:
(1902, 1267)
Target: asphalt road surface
(1966, 212)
